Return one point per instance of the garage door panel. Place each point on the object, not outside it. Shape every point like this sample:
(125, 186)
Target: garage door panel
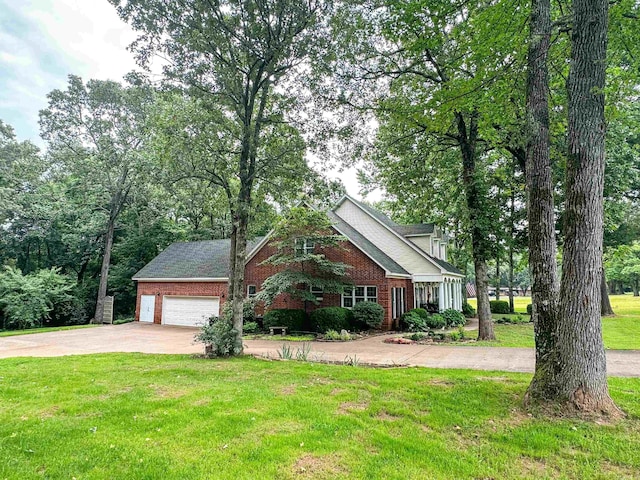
(189, 311)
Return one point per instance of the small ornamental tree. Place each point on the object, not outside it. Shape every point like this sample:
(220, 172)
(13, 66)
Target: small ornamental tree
(304, 271)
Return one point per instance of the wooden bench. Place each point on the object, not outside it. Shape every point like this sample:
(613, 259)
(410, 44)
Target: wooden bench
(283, 330)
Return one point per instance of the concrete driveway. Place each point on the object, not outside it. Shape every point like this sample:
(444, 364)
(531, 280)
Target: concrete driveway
(149, 338)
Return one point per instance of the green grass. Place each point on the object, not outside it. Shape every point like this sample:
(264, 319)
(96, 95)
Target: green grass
(11, 333)
(280, 338)
(134, 416)
(621, 332)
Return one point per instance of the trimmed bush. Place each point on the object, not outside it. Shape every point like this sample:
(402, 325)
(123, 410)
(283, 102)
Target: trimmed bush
(331, 318)
(422, 312)
(368, 314)
(499, 306)
(453, 318)
(468, 311)
(436, 321)
(250, 327)
(530, 309)
(219, 338)
(413, 322)
(295, 320)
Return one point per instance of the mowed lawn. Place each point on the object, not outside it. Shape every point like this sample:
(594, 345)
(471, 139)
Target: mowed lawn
(621, 332)
(12, 333)
(134, 416)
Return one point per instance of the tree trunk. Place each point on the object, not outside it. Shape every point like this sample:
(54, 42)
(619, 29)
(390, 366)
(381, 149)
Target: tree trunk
(511, 242)
(481, 247)
(497, 276)
(605, 307)
(540, 203)
(104, 271)
(636, 290)
(577, 376)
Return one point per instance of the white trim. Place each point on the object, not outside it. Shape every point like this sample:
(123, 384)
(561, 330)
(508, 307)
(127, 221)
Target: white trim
(182, 280)
(427, 278)
(398, 276)
(403, 239)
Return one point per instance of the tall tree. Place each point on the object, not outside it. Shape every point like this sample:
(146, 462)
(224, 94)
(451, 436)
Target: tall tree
(545, 287)
(96, 132)
(240, 58)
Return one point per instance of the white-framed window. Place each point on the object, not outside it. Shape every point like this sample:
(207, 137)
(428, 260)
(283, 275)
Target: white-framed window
(251, 291)
(304, 246)
(317, 291)
(360, 293)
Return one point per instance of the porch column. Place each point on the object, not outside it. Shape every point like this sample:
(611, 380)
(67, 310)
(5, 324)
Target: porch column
(441, 290)
(453, 293)
(459, 295)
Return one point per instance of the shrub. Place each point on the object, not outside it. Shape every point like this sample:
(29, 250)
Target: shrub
(295, 320)
(457, 335)
(453, 318)
(249, 310)
(250, 327)
(468, 311)
(499, 306)
(27, 300)
(413, 322)
(422, 312)
(368, 314)
(530, 309)
(436, 321)
(331, 318)
(219, 338)
(416, 337)
(343, 336)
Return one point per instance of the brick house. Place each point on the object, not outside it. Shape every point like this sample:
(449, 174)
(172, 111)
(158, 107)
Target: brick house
(397, 266)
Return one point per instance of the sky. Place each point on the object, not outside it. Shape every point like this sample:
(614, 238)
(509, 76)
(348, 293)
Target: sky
(43, 41)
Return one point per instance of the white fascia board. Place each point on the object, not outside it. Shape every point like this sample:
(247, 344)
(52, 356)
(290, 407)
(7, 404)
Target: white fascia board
(182, 280)
(400, 276)
(427, 278)
(407, 242)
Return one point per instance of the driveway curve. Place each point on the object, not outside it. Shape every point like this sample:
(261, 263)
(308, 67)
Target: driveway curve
(150, 338)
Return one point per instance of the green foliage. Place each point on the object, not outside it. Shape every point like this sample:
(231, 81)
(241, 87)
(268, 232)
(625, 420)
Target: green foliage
(368, 314)
(468, 311)
(331, 318)
(453, 318)
(341, 336)
(27, 300)
(250, 327)
(249, 311)
(414, 322)
(417, 336)
(220, 338)
(300, 269)
(499, 306)
(295, 320)
(422, 312)
(457, 335)
(436, 321)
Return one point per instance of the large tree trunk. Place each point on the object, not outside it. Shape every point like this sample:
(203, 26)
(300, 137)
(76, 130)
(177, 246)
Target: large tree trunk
(605, 305)
(577, 375)
(540, 204)
(104, 271)
(636, 290)
(481, 248)
(512, 235)
(497, 275)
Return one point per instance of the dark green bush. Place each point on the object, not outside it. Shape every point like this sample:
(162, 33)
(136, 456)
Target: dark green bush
(436, 321)
(295, 320)
(453, 318)
(422, 312)
(368, 314)
(250, 327)
(468, 311)
(413, 322)
(249, 310)
(530, 309)
(331, 318)
(499, 306)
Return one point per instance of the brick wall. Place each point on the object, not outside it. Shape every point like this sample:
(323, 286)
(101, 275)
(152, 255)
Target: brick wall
(187, 289)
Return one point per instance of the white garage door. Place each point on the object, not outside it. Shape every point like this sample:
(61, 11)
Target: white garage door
(189, 311)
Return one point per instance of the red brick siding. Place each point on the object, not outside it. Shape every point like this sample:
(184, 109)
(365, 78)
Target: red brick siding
(187, 289)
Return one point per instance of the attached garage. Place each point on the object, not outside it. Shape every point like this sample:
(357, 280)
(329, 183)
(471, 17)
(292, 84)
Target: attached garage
(189, 311)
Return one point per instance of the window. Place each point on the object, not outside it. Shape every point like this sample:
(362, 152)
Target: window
(353, 295)
(398, 300)
(317, 291)
(251, 291)
(304, 246)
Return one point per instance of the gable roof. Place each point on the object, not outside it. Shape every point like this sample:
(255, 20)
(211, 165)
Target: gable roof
(403, 231)
(207, 259)
(368, 248)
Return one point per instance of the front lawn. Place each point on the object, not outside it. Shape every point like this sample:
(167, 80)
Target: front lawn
(134, 416)
(11, 333)
(621, 332)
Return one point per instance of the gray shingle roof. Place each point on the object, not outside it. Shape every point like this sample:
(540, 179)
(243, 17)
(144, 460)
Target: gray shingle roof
(366, 246)
(205, 259)
(415, 229)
